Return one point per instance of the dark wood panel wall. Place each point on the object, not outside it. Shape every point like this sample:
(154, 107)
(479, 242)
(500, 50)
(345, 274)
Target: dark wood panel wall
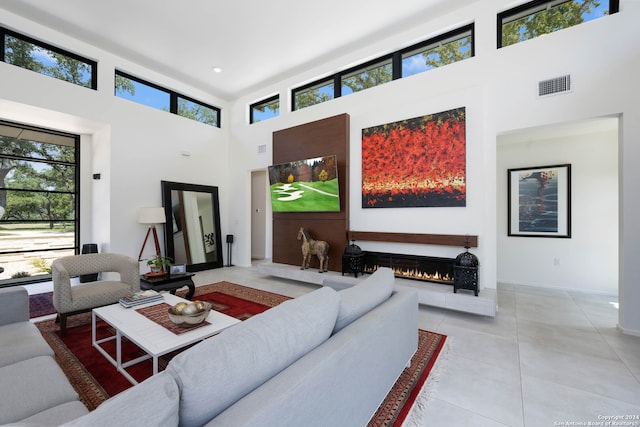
(316, 139)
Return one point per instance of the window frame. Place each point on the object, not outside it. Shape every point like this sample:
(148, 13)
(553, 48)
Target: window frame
(374, 64)
(93, 65)
(173, 97)
(535, 6)
(263, 102)
(396, 65)
(76, 194)
(317, 84)
(437, 41)
(200, 103)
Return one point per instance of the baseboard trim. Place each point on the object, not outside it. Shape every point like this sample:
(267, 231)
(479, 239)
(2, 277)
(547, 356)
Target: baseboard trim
(625, 331)
(557, 288)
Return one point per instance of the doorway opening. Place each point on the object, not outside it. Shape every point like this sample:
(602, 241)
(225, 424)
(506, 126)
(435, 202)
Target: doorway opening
(259, 224)
(591, 146)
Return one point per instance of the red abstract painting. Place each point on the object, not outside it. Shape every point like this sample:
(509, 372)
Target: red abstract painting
(419, 162)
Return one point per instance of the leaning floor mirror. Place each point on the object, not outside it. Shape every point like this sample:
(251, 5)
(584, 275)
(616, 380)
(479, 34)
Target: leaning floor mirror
(192, 227)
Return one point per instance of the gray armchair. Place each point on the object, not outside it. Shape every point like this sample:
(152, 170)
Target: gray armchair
(79, 298)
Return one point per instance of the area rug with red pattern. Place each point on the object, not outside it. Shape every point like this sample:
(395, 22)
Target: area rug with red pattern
(96, 379)
(41, 305)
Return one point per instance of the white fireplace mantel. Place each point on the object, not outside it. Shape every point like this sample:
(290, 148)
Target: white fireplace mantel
(431, 294)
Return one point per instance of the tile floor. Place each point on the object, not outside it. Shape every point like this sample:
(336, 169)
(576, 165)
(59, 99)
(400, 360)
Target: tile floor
(548, 358)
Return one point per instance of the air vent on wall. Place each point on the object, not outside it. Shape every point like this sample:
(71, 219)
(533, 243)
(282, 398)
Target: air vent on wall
(556, 85)
(262, 148)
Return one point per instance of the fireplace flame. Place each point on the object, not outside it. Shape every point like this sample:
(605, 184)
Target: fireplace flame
(416, 274)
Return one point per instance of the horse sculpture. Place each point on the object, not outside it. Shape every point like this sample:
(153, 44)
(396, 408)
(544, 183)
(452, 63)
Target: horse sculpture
(313, 247)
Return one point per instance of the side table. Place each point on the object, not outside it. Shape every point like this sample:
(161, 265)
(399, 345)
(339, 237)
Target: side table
(170, 282)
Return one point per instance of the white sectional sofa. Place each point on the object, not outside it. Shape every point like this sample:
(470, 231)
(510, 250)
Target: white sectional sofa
(327, 358)
(33, 388)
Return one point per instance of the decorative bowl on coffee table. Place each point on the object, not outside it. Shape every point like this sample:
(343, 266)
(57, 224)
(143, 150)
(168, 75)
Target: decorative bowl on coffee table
(187, 315)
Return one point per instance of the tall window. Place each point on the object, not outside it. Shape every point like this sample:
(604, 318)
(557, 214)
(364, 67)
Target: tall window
(152, 95)
(540, 17)
(265, 109)
(453, 46)
(39, 195)
(43, 58)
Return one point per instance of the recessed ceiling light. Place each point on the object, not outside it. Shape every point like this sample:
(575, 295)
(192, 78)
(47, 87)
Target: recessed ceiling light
(217, 69)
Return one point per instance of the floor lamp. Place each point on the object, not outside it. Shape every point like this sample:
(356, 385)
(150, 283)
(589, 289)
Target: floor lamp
(151, 216)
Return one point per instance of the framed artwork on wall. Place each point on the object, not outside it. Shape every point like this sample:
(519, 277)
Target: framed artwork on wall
(539, 201)
(178, 269)
(418, 162)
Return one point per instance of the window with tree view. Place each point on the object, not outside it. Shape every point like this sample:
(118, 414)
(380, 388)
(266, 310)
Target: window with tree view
(443, 51)
(447, 48)
(265, 109)
(152, 95)
(366, 77)
(541, 17)
(38, 201)
(197, 111)
(313, 94)
(43, 58)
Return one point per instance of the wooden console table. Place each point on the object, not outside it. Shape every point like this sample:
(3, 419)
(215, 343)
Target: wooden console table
(170, 282)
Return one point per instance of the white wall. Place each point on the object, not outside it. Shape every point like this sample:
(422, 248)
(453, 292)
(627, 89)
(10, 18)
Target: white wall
(588, 261)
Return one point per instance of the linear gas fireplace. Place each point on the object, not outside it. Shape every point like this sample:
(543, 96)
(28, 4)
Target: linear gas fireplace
(424, 268)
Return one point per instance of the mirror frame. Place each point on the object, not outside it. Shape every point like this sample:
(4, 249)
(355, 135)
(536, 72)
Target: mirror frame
(167, 188)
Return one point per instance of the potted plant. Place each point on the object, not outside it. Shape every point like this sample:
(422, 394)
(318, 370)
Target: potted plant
(159, 264)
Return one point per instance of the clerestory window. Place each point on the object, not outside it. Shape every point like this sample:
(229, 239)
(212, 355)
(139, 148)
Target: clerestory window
(368, 76)
(540, 17)
(43, 58)
(444, 49)
(152, 95)
(265, 109)
(313, 93)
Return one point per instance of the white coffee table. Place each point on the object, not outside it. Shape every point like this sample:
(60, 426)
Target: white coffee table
(152, 338)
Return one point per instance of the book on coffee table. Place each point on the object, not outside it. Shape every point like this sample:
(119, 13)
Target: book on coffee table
(139, 298)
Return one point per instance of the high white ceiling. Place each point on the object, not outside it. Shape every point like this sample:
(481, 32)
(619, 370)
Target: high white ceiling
(254, 42)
